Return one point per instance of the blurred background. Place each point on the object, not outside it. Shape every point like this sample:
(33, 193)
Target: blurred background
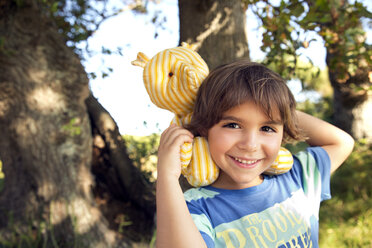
(78, 150)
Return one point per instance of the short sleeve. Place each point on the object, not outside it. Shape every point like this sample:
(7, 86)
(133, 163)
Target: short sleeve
(199, 216)
(315, 167)
(204, 227)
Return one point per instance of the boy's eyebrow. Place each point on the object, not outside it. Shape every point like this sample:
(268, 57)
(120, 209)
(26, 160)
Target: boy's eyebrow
(274, 122)
(233, 118)
(230, 118)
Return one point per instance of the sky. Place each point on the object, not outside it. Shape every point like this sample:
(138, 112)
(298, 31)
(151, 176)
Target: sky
(122, 92)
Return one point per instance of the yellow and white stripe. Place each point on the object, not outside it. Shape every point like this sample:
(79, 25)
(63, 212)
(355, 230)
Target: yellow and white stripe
(282, 163)
(202, 170)
(172, 78)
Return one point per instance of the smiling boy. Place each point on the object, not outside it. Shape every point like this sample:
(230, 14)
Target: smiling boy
(247, 112)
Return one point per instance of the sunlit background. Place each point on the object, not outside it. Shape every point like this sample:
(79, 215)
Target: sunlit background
(121, 91)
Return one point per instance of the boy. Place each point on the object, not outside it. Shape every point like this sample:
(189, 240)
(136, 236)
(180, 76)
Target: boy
(246, 111)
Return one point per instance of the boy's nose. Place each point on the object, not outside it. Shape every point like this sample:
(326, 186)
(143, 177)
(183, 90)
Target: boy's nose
(248, 142)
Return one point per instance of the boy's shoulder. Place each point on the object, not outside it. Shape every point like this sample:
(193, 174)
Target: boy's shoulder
(313, 170)
(312, 151)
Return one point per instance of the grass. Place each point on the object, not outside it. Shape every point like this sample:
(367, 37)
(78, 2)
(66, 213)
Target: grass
(346, 219)
(339, 229)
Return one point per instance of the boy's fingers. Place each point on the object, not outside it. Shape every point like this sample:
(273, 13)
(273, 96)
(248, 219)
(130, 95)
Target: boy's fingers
(174, 130)
(175, 135)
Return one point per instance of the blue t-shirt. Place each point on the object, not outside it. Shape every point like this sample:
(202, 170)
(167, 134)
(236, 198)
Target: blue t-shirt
(283, 211)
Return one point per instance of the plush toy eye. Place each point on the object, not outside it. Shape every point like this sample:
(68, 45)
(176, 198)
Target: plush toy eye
(170, 74)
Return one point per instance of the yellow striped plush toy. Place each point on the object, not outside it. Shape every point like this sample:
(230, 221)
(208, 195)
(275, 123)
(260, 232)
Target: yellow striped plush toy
(172, 78)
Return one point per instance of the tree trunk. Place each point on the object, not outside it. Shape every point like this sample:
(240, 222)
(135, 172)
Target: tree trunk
(123, 179)
(352, 100)
(217, 28)
(46, 142)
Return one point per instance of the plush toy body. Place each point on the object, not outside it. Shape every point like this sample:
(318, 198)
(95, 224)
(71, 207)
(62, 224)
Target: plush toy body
(172, 78)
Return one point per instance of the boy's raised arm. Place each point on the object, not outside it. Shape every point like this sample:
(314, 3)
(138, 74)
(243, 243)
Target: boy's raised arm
(335, 141)
(175, 227)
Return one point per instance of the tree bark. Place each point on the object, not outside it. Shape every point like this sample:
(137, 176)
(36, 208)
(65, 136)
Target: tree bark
(129, 184)
(46, 141)
(122, 192)
(352, 107)
(352, 98)
(217, 28)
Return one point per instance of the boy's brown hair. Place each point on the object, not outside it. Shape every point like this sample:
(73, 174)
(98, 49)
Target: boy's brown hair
(233, 84)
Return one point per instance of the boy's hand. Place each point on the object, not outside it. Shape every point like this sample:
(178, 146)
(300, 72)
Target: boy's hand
(171, 140)
(170, 202)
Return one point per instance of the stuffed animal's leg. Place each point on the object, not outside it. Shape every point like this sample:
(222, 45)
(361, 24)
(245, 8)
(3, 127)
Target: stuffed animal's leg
(202, 170)
(282, 164)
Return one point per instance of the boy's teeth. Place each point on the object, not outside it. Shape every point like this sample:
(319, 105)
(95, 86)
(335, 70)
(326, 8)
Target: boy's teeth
(245, 161)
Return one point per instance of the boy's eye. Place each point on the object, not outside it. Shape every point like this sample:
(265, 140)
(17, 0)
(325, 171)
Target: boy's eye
(232, 125)
(267, 129)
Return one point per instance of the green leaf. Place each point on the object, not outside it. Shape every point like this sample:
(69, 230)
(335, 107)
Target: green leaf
(297, 10)
(54, 7)
(325, 19)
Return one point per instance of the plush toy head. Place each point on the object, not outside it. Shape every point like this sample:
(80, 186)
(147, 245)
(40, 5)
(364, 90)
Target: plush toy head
(172, 78)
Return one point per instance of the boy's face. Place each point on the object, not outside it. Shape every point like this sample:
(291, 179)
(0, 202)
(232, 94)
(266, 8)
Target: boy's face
(244, 144)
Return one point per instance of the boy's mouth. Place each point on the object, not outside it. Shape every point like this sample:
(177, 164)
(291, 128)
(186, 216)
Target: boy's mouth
(243, 161)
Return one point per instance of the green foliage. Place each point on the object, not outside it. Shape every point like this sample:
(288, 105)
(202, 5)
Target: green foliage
(321, 109)
(38, 233)
(313, 78)
(72, 127)
(310, 76)
(32, 238)
(143, 150)
(353, 180)
(346, 219)
(289, 25)
(123, 222)
(78, 20)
